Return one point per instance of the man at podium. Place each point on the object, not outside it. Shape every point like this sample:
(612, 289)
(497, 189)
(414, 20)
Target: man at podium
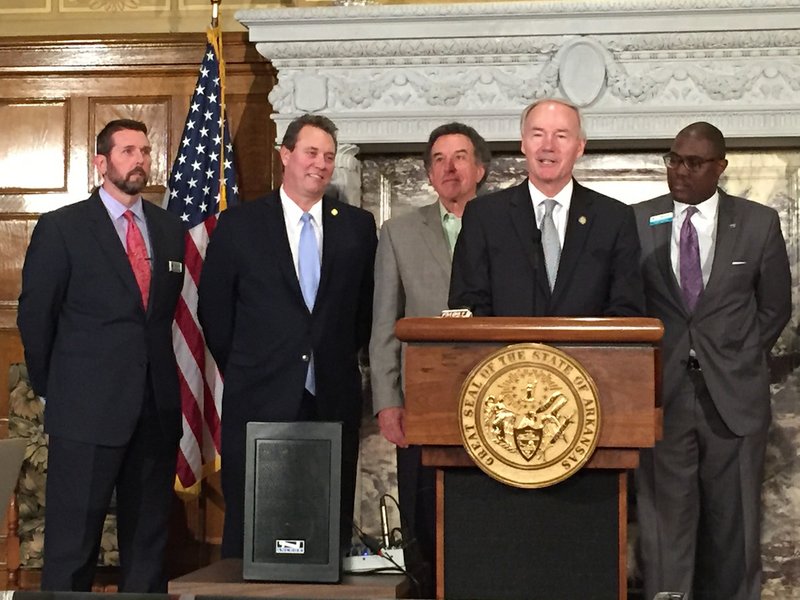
(548, 246)
(412, 277)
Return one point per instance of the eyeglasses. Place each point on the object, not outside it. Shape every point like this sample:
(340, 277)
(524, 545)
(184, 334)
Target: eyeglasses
(692, 163)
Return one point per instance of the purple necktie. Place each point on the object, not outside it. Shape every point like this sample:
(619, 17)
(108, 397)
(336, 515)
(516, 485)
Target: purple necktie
(691, 273)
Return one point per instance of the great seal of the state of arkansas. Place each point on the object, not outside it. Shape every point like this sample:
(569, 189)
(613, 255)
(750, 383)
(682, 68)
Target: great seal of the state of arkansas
(529, 415)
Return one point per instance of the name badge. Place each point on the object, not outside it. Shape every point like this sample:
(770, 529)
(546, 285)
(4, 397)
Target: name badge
(660, 219)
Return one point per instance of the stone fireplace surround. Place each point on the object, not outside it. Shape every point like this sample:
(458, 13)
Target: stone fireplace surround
(641, 69)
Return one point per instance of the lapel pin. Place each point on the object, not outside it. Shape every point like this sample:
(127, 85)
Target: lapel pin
(733, 225)
(582, 220)
(334, 211)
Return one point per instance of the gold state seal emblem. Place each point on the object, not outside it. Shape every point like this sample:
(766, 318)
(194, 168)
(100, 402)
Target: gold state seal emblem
(530, 416)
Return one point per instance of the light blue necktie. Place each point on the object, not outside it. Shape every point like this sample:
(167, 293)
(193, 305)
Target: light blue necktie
(308, 274)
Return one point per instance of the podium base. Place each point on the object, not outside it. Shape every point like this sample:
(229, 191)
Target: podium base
(509, 543)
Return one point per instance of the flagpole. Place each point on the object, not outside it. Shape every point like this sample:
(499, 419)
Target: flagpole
(215, 12)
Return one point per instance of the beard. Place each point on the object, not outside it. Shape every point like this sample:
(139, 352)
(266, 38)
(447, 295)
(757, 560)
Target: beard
(128, 184)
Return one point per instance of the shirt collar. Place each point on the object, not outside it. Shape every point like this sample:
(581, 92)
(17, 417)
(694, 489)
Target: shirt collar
(707, 208)
(294, 213)
(443, 212)
(116, 208)
(562, 198)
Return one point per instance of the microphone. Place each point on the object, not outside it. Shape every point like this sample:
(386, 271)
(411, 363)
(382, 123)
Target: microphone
(384, 524)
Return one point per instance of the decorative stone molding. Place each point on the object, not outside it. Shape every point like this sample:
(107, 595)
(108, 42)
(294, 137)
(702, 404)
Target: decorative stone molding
(347, 173)
(640, 68)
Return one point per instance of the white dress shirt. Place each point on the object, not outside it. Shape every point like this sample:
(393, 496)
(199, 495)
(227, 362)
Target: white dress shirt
(292, 216)
(560, 210)
(705, 222)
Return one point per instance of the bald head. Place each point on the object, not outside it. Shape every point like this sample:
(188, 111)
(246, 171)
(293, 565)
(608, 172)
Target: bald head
(706, 131)
(695, 163)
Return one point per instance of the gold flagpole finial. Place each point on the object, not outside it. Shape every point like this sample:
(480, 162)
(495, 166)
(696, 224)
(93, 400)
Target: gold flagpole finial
(215, 12)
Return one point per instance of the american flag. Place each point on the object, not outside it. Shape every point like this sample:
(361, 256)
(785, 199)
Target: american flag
(202, 183)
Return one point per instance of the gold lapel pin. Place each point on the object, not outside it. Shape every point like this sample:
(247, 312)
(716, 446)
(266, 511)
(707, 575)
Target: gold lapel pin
(582, 220)
(334, 211)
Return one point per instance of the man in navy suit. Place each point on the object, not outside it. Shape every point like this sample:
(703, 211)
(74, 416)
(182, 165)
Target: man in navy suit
(580, 258)
(716, 272)
(99, 287)
(285, 356)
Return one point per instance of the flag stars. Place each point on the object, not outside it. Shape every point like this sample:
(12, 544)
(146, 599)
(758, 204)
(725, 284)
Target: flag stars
(185, 218)
(227, 164)
(187, 199)
(213, 157)
(204, 132)
(209, 173)
(190, 125)
(203, 207)
(203, 72)
(182, 158)
(200, 90)
(210, 55)
(185, 142)
(195, 107)
(173, 193)
(217, 140)
(196, 166)
(206, 190)
(212, 98)
(192, 183)
(208, 115)
(201, 149)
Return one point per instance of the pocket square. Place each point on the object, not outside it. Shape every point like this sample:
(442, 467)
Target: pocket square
(175, 266)
(738, 262)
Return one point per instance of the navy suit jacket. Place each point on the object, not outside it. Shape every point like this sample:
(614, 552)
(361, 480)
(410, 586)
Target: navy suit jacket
(259, 329)
(90, 346)
(498, 264)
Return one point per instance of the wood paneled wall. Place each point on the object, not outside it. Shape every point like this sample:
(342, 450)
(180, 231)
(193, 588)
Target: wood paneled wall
(55, 96)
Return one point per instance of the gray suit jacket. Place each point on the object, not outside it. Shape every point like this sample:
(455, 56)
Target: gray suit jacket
(739, 315)
(412, 278)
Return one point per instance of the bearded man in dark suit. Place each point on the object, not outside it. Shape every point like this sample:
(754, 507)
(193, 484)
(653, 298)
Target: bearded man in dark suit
(287, 354)
(577, 258)
(99, 288)
(716, 272)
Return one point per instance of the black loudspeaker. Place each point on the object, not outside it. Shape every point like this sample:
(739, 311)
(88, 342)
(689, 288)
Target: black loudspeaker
(292, 502)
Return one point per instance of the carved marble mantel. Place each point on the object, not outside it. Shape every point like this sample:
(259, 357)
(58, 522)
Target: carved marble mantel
(642, 69)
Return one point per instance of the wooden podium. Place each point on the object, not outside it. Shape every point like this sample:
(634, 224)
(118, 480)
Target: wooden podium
(490, 533)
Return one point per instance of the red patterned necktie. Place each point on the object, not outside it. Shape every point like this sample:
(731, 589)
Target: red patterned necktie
(137, 254)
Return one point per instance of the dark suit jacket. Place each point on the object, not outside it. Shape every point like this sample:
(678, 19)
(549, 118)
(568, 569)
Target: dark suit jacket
(738, 316)
(257, 325)
(89, 344)
(498, 264)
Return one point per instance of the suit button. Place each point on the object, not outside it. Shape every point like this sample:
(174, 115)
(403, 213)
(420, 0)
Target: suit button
(305, 358)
